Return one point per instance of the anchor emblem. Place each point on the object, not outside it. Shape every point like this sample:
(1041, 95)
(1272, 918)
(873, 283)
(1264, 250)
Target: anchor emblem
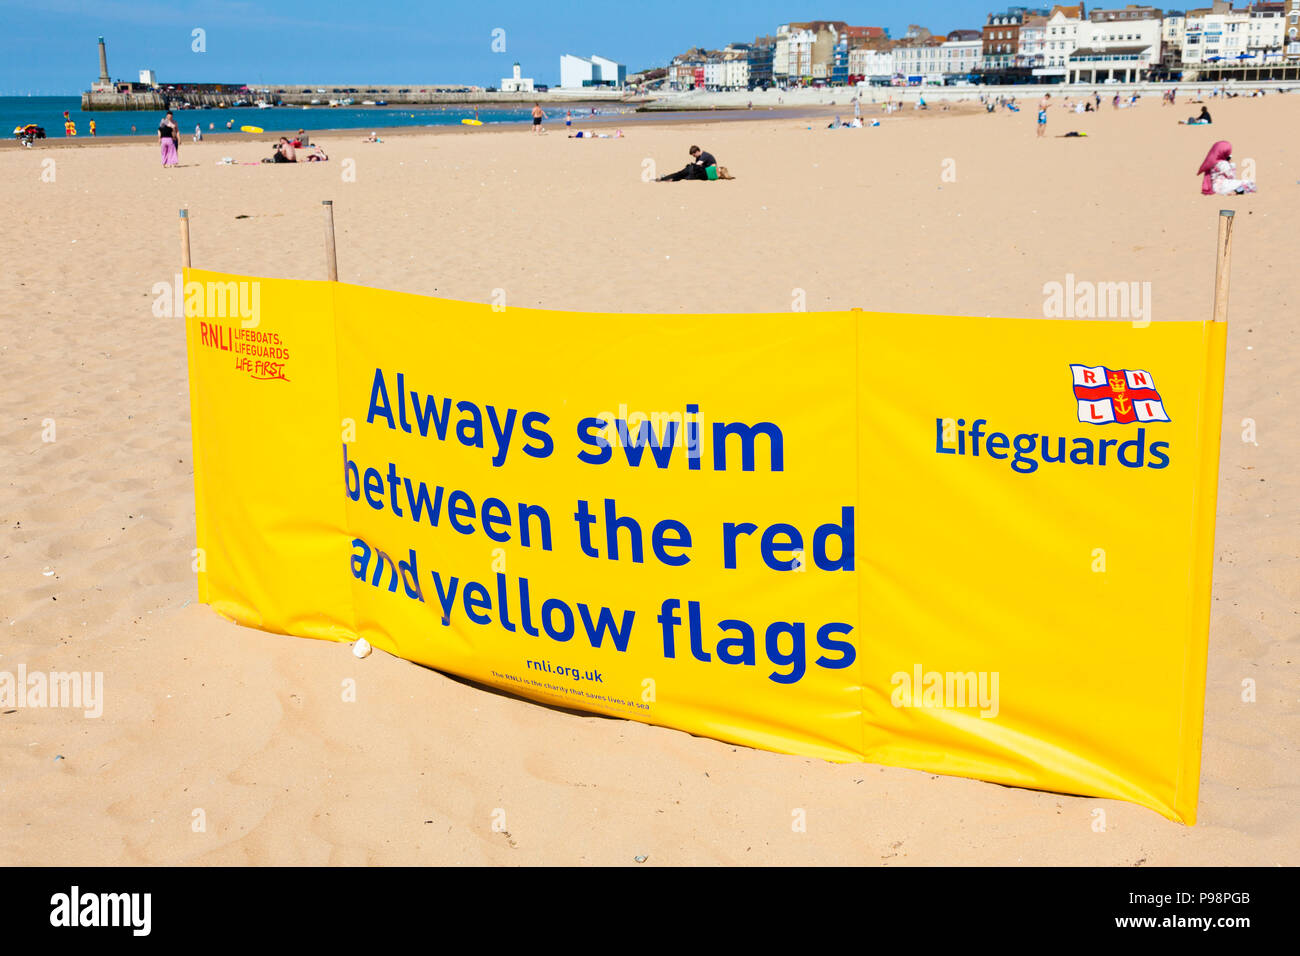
(1120, 387)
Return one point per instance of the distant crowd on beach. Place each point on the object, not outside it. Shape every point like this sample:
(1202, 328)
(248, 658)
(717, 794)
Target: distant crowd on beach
(1218, 172)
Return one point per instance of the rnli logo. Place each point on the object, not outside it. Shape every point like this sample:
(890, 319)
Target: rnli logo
(1116, 396)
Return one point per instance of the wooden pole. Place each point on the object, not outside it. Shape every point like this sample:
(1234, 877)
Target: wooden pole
(1223, 266)
(331, 257)
(185, 238)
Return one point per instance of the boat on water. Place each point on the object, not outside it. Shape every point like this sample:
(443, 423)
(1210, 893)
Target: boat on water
(381, 102)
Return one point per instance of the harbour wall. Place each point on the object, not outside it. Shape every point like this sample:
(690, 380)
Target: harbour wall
(292, 95)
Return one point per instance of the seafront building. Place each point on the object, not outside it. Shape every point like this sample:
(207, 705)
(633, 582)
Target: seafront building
(872, 62)
(1033, 43)
(1121, 44)
(960, 53)
(1047, 44)
(1061, 38)
(578, 72)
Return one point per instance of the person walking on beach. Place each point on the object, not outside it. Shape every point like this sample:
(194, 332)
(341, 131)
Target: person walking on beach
(1043, 104)
(169, 138)
(538, 115)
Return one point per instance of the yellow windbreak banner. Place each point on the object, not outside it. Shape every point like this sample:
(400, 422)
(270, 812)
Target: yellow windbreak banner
(974, 546)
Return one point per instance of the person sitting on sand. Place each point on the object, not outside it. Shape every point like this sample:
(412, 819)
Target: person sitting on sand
(284, 152)
(1201, 119)
(697, 168)
(302, 139)
(372, 138)
(1219, 174)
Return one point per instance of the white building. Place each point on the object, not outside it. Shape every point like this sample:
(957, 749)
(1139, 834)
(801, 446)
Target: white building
(792, 59)
(1293, 31)
(1116, 44)
(148, 78)
(1223, 35)
(960, 54)
(1171, 36)
(577, 72)
(735, 69)
(919, 61)
(714, 73)
(1266, 39)
(873, 64)
(516, 83)
(1062, 35)
(1215, 34)
(1033, 36)
(611, 73)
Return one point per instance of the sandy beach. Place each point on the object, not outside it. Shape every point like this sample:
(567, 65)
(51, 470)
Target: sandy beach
(946, 211)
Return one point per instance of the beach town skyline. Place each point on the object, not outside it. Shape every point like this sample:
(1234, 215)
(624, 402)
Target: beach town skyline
(45, 48)
(980, 43)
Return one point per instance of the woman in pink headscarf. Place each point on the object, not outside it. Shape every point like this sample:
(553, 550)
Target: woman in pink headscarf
(1219, 174)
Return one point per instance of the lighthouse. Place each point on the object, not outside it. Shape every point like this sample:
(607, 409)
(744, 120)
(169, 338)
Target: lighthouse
(104, 84)
(516, 83)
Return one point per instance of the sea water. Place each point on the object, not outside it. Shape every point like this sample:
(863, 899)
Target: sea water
(47, 111)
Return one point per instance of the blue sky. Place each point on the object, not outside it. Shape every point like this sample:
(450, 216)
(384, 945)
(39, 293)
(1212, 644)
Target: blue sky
(47, 47)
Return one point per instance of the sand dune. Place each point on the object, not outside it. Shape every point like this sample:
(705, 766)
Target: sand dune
(250, 729)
